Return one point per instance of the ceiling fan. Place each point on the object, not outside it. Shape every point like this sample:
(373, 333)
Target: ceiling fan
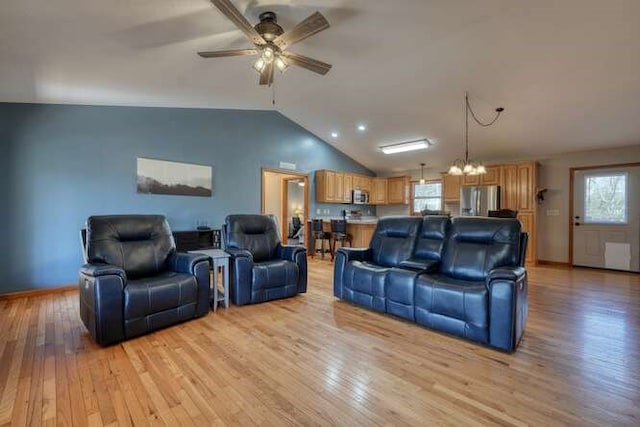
(271, 42)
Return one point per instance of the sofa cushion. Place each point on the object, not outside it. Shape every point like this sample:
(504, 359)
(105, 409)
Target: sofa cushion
(138, 244)
(476, 245)
(393, 240)
(256, 233)
(455, 306)
(364, 284)
(271, 274)
(399, 292)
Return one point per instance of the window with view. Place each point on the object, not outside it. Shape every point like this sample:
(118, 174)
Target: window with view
(427, 196)
(605, 198)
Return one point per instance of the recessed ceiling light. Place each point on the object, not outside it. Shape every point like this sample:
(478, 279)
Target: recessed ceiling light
(362, 128)
(334, 134)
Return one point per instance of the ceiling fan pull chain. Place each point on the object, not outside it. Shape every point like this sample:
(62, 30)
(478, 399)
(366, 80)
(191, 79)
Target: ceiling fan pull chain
(273, 93)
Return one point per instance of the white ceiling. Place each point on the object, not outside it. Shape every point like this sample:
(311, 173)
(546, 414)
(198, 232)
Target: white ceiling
(566, 71)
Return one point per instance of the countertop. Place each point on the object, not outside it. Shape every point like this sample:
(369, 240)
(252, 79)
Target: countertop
(363, 220)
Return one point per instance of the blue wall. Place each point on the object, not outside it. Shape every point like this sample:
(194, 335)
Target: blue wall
(67, 162)
(4, 202)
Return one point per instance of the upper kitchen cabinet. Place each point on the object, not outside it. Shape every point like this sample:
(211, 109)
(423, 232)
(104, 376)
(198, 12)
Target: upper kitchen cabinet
(326, 186)
(362, 182)
(492, 177)
(398, 190)
(339, 187)
(379, 194)
(451, 187)
(348, 188)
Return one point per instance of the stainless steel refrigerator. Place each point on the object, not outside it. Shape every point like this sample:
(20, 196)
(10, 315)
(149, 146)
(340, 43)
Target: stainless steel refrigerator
(478, 201)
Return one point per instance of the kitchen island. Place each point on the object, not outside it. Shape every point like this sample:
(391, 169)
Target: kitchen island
(360, 230)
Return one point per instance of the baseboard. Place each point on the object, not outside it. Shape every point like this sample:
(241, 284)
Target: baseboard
(554, 263)
(38, 292)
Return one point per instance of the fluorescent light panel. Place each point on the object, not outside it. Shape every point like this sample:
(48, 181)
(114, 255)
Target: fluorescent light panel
(420, 144)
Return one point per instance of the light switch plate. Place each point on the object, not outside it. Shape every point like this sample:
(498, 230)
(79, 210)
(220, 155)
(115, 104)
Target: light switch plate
(553, 212)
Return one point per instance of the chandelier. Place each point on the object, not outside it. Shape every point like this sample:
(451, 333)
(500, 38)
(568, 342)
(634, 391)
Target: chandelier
(469, 166)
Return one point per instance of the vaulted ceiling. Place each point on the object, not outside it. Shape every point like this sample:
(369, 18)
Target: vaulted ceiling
(567, 72)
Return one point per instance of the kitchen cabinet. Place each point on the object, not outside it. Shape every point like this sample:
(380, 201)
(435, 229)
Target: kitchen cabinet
(526, 186)
(398, 190)
(348, 188)
(471, 180)
(325, 186)
(451, 187)
(379, 194)
(492, 177)
(362, 182)
(509, 187)
(339, 187)
(336, 187)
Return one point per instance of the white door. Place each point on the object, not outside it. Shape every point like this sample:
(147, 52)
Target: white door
(606, 222)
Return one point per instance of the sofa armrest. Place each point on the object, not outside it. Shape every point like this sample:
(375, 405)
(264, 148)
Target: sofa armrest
(342, 257)
(198, 265)
(182, 262)
(506, 273)
(290, 252)
(508, 306)
(240, 275)
(355, 254)
(235, 253)
(97, 270)
(102, 302)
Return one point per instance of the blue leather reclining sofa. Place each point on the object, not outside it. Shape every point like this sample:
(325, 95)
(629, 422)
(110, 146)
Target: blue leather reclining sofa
(464, 276)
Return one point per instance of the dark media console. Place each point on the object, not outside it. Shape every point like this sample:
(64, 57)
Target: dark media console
(192, 240)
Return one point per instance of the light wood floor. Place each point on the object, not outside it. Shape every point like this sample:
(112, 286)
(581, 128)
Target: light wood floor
(312, 360)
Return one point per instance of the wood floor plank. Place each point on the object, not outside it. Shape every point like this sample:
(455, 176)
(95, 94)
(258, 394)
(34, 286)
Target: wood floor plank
(314, 360)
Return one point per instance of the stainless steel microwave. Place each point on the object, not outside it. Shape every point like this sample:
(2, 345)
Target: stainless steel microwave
(360, 197)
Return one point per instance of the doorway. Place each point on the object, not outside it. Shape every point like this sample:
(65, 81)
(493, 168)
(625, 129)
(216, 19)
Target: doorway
(285, 195)
(605, 217)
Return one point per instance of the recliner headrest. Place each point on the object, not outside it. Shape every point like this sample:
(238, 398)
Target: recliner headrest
(139, 244)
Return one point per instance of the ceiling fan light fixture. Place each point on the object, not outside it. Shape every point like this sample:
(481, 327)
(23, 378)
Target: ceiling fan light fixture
(259, 65)
(420, 144)
(281, 64)
(267, 54)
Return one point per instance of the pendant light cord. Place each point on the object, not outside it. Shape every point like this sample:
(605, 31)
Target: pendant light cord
(469, 109)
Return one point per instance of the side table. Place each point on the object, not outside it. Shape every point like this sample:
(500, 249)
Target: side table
(219, 258)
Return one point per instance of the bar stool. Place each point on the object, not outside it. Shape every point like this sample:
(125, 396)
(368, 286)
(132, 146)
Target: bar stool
(318, 233)
(339, 233)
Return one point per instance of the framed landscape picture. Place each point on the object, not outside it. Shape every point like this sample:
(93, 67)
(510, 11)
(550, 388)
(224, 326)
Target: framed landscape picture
(181, 179)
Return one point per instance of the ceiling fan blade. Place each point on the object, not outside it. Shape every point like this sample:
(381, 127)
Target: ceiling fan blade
(231, 52)
(311, 25)
(266, 77)
(308, 63)
(231, 12)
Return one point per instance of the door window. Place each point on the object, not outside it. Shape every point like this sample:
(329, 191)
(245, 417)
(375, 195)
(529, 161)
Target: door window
(605, 198)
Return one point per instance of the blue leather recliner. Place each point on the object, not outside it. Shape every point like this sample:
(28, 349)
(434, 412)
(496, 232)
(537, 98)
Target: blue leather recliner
(134, 281)
(262, 268)
(464, 276)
